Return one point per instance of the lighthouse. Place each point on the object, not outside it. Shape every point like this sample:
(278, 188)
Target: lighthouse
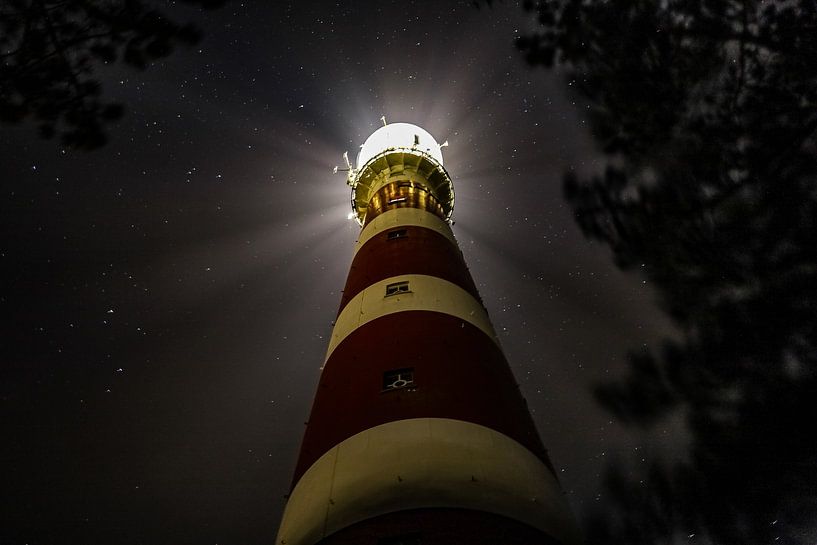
(418, 434)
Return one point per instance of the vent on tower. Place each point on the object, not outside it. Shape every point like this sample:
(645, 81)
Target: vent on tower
(398, 378)
(397, 233)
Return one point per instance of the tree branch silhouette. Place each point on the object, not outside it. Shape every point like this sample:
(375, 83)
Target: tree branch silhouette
(707, 111)
(50, 51)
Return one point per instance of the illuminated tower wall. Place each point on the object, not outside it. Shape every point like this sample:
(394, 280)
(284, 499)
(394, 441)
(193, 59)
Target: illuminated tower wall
(418, 433)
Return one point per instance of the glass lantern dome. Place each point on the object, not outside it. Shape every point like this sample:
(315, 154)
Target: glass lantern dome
(399, 152)
(398, 135)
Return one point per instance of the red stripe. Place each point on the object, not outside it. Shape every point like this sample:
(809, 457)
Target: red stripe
(420, 251)
(441, 526)
(459, 372)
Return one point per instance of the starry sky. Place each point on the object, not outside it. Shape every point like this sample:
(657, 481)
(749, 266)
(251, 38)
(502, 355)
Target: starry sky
(169, 297)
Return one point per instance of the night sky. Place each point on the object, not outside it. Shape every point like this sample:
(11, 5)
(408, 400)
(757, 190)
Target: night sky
(169, 297)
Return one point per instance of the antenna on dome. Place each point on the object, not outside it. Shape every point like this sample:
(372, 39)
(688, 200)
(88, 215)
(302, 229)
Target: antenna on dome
(345, 160)
(383, 119)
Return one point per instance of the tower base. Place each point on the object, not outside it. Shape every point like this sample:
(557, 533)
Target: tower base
(439, 527)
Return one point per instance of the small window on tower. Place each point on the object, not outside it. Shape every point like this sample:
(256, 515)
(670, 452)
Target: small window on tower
(397, 287)
(396, 233)
(398, 378)
(397, 199)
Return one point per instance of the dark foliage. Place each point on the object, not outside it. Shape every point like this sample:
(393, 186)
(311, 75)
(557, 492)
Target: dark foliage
(49, 52)
(707, 110)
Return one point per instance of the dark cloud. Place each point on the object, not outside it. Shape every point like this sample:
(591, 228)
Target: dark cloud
(172, 294)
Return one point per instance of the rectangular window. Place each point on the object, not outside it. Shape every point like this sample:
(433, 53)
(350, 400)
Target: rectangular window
(398, 378)
(396, 200)
(397, 287)
(396, 233)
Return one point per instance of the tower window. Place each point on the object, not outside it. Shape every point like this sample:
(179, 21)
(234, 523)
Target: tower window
(398, 378)
(396, 233)
(397, 287)
(397, 199)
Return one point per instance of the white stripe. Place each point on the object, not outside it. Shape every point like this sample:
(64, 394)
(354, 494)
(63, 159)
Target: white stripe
(424, 463)
(400, 217)
(426, 293)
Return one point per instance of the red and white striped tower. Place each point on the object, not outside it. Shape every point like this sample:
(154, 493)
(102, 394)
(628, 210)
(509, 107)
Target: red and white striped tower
(418, 432)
